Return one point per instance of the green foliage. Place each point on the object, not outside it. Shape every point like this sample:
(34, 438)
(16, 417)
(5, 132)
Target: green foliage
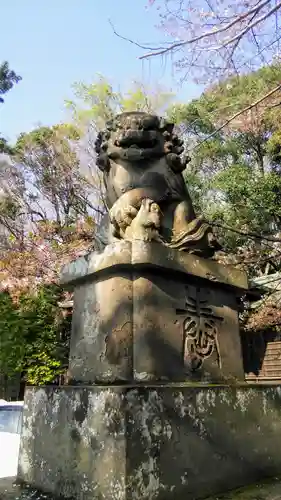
(252, 201)
(98, 102)
(193, 116)
(234, 173)
(238, 92)
(217, 104)
(11, 336)
(9, 207)
(47, 219)
(274, 148)
(139, 98)
(5, 147)
(198, 187)
(44, 138)
(34, 335)
(7, 79)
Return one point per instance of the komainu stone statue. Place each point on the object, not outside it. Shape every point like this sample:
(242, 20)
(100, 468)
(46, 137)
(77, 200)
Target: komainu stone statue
(140, 157)
(148, 323)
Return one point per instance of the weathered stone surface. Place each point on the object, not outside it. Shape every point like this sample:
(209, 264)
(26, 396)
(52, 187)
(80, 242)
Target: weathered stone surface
(172, 336)
(140, 157)
(267, 490)
(146, 312)
(102, 330)
(149, 443)
(151, 255)
(114, 255)
(73, 442)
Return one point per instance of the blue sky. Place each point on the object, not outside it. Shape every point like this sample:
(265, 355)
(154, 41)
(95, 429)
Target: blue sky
(53, 44)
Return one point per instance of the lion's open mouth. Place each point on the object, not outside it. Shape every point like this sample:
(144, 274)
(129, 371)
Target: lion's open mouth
(142, 139)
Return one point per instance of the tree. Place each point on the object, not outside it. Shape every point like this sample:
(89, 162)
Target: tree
(47, 219)
(47, 212)
(213, 39)
(58, 191)
(98, 102)
(94, 104)
(34, 335)
(233, 175)
(7, 80)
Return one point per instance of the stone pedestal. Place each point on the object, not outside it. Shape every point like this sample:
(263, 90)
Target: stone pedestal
(148, 322)
(144, 312)
(148, 443)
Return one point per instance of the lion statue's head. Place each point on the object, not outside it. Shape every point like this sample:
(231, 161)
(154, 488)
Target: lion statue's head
(138, 137)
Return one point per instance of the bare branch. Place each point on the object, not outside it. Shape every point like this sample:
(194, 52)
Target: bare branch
(161, 51)
(130, 40)
(248, 28)
(244, 110)
(250, 235)
(266, 47)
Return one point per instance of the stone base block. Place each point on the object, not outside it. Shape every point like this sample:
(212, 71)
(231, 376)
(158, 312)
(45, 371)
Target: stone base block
(148, 443)
(144, 312)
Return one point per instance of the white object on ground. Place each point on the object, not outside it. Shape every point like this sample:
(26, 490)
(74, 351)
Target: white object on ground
(10, 432)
